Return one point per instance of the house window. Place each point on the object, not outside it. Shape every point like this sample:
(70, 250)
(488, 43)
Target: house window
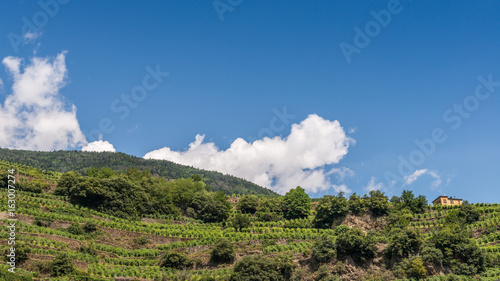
(444, 200)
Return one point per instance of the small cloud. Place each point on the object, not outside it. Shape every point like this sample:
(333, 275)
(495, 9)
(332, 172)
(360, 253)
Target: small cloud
(1, 84)
(131, 130)
(352, 130)
(418, 173)
(31, 36)
(99, 146)
(373, 185)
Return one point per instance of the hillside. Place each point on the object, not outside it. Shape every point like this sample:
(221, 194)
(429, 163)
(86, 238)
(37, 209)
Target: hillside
(355, 238)
(64, 161)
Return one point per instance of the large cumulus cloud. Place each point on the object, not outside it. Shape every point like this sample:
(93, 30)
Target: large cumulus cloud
(277, 163)
(34, 115)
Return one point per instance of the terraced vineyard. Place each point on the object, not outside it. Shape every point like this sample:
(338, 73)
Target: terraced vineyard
(133, 248)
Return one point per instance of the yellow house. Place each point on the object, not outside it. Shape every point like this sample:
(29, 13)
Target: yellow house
(448, 201)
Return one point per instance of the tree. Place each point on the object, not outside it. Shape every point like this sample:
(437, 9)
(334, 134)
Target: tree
(270, 209)
(67, 181)
(248, 204)
(175, 260)
(207, 209)
(329, 209)
(240, 221)
(297, 203)
(412, 203)
(403, 243)
(223, 251)
(62, 265)
(469, 212)
(356, 244)
(357, 205)
(378, 203)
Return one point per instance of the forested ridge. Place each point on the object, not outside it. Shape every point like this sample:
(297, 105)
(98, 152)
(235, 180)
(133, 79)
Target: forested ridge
(130, 224)
(78, 161)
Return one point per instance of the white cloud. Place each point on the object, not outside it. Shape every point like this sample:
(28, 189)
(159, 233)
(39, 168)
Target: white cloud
(31, 36)
(352, 130)
(277, 163)
(99, 146)
(34, 116)
(373, 185)
(1, 84)
(418, 173)
(342, 173)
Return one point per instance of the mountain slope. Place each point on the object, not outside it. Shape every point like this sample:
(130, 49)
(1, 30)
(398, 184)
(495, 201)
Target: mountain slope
(64, 161)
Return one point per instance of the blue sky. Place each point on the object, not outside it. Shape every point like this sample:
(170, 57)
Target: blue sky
(231, 70)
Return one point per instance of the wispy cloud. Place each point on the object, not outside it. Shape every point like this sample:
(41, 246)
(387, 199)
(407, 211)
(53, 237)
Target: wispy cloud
(277, 163)
(373, 185)
(418, 173)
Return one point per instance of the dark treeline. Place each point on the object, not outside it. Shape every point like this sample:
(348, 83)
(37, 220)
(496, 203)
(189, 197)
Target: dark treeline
(65, 161)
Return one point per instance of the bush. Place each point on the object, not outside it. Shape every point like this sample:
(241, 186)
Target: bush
(323, 273)
(259, 267)
(62, 265)
(223, 251)
(340, 229)
(141, 240)
(75, 229)
(411, 268)
(175, 260)
(42, 222)
(89, 227)
(431, 255)
(356, 244)
(88, 249)
(5, 275)
(21, 251)
(324, 248)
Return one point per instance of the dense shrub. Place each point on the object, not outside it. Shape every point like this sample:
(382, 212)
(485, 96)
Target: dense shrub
(356, 244)
(324, 248)
(431, 255)
(89, 227)
(62, 265)
(175, 260)
(223, 251)
(21, 253)
(42, 222)
(411, 268)
(262, 268)
(75, 229)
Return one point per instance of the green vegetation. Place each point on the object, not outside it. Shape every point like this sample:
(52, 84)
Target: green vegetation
(66, 161)
(110, 223)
